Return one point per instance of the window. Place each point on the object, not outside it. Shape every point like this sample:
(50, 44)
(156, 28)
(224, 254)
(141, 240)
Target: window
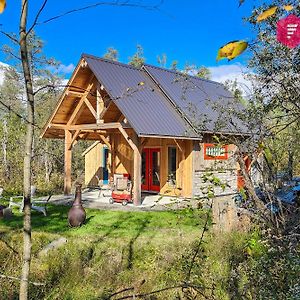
(212, 151)
(172, 163)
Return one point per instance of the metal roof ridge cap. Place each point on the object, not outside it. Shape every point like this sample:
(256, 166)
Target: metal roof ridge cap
(180, 73)
(181, 114)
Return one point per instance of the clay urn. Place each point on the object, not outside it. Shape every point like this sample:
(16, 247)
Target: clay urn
(77, 215)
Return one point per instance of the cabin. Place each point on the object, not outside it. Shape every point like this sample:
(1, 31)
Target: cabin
(156, 125)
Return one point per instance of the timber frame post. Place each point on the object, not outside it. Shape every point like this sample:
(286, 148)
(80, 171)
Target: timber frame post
(68, 162)
(134, 143)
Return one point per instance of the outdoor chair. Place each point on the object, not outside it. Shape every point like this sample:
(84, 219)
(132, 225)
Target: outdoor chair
(103, 187)
(37, 204)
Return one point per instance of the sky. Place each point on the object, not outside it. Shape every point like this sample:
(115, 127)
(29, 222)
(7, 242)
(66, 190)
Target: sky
(190, 31)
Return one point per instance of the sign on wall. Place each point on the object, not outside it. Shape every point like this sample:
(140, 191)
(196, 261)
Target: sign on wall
(212, 151)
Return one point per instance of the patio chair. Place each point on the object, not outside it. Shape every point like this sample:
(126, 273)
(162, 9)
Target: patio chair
(37, 204)
(104, 187)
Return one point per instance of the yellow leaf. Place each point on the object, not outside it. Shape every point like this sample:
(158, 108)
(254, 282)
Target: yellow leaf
(288, 7)
(232, 50)
(266, 14)
(2, 5)
(141, 83)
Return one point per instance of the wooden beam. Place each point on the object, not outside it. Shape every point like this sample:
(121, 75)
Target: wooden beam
(179, 146)
(68, 163)
(90, 107)
(74, 137)
(137, 166)
(94, 126)
(99, 107)
(105, 141)
(74, 93)
(137, 172)
(78, 109)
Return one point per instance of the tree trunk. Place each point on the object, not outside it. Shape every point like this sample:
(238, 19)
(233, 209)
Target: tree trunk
(28, 153)
(4, 148)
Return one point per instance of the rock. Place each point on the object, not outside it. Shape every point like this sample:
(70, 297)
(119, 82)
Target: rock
(7, 213)
(52, 246)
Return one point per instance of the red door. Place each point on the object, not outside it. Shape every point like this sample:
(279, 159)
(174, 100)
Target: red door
(151, 169)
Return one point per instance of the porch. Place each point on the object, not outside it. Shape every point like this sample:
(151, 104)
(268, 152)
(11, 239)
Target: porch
(91, 199)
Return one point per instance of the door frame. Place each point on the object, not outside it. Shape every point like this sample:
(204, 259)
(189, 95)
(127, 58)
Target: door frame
(148, 186)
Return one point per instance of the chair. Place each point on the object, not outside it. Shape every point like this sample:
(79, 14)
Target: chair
(1, 192)
(103, 187)
(38, 204)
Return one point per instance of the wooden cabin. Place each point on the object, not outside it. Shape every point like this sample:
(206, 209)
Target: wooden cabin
(147, 120)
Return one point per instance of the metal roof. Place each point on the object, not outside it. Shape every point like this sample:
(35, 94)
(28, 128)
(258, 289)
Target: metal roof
(199, 99)
(161, 102)
(140, 100)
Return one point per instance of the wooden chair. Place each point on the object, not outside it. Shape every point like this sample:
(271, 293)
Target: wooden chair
(38, 204)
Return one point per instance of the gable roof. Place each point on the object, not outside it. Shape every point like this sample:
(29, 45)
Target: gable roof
(155, 101)
(145, 106)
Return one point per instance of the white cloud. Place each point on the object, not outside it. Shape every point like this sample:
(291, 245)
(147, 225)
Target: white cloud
(234, 72)
(66, 69)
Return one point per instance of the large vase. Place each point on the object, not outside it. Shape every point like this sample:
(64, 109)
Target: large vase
(77, 215)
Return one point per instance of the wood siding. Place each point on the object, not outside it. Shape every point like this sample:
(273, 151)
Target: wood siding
(93, 160)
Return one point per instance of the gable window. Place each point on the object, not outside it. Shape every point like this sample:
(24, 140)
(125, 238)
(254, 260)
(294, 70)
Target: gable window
(212, 151)
(172, 164)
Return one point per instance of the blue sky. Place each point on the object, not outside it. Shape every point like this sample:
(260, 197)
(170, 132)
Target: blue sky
(189, 31)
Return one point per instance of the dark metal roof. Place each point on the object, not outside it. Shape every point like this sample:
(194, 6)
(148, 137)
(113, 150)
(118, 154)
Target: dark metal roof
(162, 102)
(199, 99)
(139, 99)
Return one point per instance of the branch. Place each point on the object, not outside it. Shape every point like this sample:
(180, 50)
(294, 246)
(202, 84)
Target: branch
(19, 279)
(37, 17)
(116, 3)
(9, 36)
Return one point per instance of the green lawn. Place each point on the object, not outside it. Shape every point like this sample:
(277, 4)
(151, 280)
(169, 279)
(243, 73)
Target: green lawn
(111, 251)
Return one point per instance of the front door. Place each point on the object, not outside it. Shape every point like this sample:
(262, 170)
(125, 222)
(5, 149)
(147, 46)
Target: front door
(150, 169)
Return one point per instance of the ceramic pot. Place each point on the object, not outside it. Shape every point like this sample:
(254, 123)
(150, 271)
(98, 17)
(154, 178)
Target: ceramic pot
(77, 215)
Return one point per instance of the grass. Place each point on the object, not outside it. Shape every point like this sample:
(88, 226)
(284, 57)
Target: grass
(111, 251)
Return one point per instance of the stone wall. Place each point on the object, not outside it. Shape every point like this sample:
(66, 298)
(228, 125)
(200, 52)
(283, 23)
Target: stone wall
(225, 170)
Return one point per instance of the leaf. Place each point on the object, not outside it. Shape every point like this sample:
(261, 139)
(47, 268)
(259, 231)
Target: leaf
(266, 14)
(2, 5)
(141, 83)
(232, 50)
(288, 7)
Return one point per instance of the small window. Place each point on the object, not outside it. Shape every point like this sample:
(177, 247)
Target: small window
(172, 163)
(212, 151)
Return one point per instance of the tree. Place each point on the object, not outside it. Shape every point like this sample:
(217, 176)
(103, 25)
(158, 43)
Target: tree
(138, 58)
(112, 54)
(27, 62)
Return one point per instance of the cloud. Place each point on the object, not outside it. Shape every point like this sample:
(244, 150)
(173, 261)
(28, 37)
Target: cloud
(65, 69)
(234, 72)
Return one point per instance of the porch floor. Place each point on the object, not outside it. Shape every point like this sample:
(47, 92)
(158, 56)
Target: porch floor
(91, 199)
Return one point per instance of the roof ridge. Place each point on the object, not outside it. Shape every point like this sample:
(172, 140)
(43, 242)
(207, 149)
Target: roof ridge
(83, 55)
(180, 73)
